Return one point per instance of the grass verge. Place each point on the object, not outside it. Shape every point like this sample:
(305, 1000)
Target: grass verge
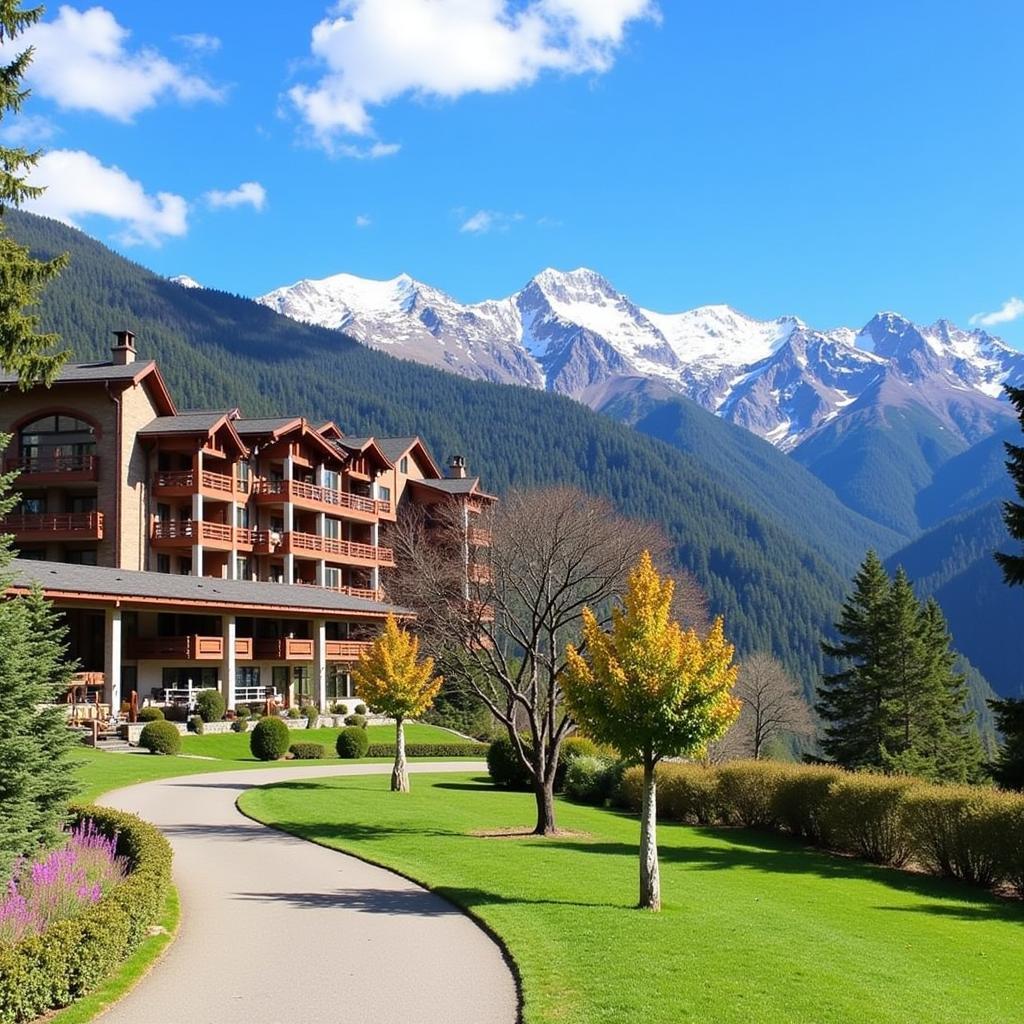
(127, 976)
(755, 927)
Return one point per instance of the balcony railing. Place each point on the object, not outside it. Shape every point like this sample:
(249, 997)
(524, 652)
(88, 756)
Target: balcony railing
(478, 573)
(73, 467)
(178, 648)
(346, 650)
(184, 481)
(284, 649)
(54, 525)
(478, 538)
(329, 547)
(193, 531)
(300, 492)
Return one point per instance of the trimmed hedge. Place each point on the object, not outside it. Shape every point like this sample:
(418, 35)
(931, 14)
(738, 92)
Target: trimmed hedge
(504, 766)
(307, 751)
(590, 779)
(54, 969)
(151, 714)
(352, 742)
(210, 706)
(269, 739)
(428, 750)
(971, 833)
(160, 737)
(356, 720)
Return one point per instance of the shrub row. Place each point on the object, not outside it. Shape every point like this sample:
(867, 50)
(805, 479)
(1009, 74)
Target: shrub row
(971, 833)
(307, 751)
(507, 771)
(428, 750)
(52, 970)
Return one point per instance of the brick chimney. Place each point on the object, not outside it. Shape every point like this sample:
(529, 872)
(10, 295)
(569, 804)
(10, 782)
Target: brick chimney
(457, 468)
(124, 351)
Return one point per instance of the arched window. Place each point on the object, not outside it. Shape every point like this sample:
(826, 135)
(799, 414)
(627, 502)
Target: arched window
(57, 441)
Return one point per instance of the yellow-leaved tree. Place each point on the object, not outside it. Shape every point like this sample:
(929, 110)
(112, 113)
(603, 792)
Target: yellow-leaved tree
(652, 690)
(394, 681)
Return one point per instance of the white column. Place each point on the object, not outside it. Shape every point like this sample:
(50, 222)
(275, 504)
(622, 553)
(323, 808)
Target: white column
(112, 658)
(375, 571)
(289, 524)
(197, 517)
(230, 664)
(320, 662)
(233, 557)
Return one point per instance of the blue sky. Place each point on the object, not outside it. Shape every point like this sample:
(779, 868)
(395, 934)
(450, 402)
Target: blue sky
(828, 160)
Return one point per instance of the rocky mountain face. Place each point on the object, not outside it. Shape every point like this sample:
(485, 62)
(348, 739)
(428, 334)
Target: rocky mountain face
(574, 333)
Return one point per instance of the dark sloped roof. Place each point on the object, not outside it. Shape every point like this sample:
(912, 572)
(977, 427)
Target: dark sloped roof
(185, 422)
(103, 581)
(353, 444)
(466, 485)
(264, 426)
(72, 373)
(395, 447)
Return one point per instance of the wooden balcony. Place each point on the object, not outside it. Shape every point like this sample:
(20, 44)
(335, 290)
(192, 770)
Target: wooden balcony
(285, 649)
(478, 573)
(183, 484)
(478, 538)
(346, 650)
(44, 526)
(40, 470)
(320, 499)
(243, 648)
(177, 648)
(311, 545)
(358, 468)
(183, 533)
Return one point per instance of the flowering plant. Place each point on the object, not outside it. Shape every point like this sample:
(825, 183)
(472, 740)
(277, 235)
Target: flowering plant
(60, 884)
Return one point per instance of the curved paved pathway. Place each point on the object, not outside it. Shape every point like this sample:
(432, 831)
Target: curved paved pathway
(276, 930)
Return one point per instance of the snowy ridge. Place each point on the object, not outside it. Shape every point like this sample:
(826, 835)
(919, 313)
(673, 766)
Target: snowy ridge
(573, 332)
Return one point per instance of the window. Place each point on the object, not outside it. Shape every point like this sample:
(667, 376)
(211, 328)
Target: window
(403, 464)
(332, 578)
(242, 516)
(189, 678)
(57, 441)
(243, 569)
(244, 474)
(332, 528)
(248, 675)
(32, 554)
(339, 683)
(86, 557)
(163, 563)
(82, 503)
(383, 493)
(32, 506)
(302, 680)
(332, 479)
(184, 566)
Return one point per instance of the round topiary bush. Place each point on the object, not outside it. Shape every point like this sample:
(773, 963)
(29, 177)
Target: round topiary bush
(151, 715)
(307, 751)
(210, 705)
(504, 766)
(341, 708)
(360, 709)
(357, 720)
(293, 712)
(353, 741)
(160, 737)
(196, 725)
(242, 710)
(269, 739)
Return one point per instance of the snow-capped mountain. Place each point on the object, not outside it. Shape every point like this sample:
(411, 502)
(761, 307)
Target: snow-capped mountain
(185, 281)
(574, 333)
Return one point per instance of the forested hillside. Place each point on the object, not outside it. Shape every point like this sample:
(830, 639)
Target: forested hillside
(776, 590)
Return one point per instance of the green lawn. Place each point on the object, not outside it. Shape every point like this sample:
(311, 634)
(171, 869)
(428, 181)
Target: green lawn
(755, 928)
(234, 746)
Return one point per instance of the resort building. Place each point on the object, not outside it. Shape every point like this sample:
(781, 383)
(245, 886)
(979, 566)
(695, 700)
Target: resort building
(195, 549)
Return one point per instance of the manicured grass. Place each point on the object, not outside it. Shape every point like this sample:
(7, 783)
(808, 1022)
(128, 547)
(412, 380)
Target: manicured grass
(755, 928)
(125, 977)
(234, 746)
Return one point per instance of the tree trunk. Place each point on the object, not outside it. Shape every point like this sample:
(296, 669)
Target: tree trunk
(400, 773)
(545, 796)
(650, 880)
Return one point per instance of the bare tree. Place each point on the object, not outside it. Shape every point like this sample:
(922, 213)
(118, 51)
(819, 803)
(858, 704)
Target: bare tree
(772, 705)
(500, 630)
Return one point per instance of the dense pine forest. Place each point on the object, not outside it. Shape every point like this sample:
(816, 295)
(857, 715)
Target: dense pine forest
(768, 543)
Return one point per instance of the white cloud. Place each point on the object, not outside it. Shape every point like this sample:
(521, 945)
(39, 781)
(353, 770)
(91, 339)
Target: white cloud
(363, 221)
(200, 42)
(78, 185)
(1011, 309)
(249, 193)
(81, 63)
(377, 50)
(28, 130)
(483, 221)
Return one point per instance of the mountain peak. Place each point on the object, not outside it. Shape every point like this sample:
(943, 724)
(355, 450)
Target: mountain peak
(185, 281)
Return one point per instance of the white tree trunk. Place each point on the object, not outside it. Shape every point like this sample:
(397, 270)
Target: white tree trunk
(400, 774)
(650, 879)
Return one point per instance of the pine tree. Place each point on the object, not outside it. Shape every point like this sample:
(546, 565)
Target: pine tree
(851, 701)
(23, 349)
(1008, 768)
